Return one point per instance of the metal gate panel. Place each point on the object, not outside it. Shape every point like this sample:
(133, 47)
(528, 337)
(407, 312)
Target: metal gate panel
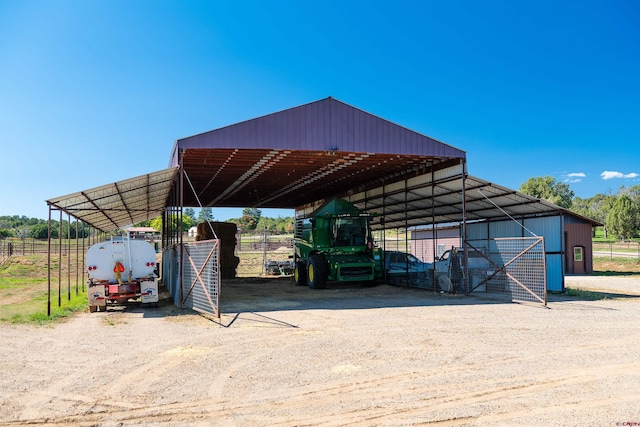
(201, 276)
(517, 268)
(524, 268)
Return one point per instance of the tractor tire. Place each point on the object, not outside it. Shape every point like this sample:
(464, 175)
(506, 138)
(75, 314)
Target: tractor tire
(317, 272)
(300, 274)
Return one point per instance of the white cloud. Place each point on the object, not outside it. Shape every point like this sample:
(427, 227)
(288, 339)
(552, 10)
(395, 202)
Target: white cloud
(615, 174)
(574, 177)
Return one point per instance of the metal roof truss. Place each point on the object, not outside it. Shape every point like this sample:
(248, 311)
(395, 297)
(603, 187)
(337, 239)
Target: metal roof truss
(121, 203)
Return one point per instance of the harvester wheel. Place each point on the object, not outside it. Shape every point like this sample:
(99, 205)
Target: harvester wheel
(300, 274)
(317, 271)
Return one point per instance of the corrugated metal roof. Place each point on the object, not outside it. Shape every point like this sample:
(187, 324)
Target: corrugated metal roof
(324, 125)
(300, 157)
(293, 157)
(424, 200)
(120, 203)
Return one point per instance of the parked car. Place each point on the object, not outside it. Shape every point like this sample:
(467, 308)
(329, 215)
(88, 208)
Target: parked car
(404, 269)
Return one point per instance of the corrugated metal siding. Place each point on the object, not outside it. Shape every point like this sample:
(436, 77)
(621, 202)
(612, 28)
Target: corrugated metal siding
(579, 235)
(424, 249)
(555, 278)
(321, 125)
(441, 234)
(550, 228)
(477, 231)
(505, 229)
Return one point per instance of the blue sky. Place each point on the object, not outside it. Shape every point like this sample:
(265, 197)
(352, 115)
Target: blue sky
(92, 92)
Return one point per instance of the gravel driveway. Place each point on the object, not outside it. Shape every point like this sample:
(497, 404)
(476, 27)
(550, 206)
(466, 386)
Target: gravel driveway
(289, 356)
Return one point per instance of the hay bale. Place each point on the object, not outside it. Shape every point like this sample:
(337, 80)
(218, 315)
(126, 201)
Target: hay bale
(226, 233)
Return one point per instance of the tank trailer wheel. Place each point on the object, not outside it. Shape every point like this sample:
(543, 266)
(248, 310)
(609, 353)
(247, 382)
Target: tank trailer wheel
(317, 272)
(300, 274)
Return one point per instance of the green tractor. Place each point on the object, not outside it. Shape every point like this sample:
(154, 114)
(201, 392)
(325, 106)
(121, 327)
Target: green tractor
(335, 245)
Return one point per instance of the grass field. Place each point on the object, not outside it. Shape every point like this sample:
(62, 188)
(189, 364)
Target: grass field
(24, 290)
(607, 266)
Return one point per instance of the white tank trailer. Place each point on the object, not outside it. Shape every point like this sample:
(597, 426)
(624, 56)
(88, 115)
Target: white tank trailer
(121, 269)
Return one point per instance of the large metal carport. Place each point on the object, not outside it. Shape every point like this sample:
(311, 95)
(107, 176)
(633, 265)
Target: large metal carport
(298, 158)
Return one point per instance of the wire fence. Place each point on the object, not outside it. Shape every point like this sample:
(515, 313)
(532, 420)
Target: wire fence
(263, 253)
(15, 247)
(611, 250)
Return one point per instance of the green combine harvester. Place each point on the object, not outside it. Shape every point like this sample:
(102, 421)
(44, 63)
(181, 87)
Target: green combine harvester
(335, 245)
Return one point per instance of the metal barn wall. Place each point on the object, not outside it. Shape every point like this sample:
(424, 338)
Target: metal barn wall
(555, 277)
(479, 231)
(422, 244)
(507, 228)
(551, 228)
(578, 234)
(480, 234)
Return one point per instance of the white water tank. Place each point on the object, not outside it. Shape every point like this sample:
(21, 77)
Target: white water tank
(137, 257)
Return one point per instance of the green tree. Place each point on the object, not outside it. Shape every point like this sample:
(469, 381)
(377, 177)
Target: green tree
(266, 223)
(288, 225)
(624, 218)
(187, 223)
(41, 230)
(205, 215)
(252, 212)
(22, 233)
(549, 189)
(596, 207)
(156, 223)
(632, 192)
(250, 218)
(190, 212)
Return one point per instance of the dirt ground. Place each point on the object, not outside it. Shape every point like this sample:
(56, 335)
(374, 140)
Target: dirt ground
(288, 356)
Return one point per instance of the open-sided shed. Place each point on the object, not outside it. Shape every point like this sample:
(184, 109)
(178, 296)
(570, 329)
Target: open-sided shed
(300, 157)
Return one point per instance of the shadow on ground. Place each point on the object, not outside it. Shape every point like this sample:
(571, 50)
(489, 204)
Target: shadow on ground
(262, 295)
